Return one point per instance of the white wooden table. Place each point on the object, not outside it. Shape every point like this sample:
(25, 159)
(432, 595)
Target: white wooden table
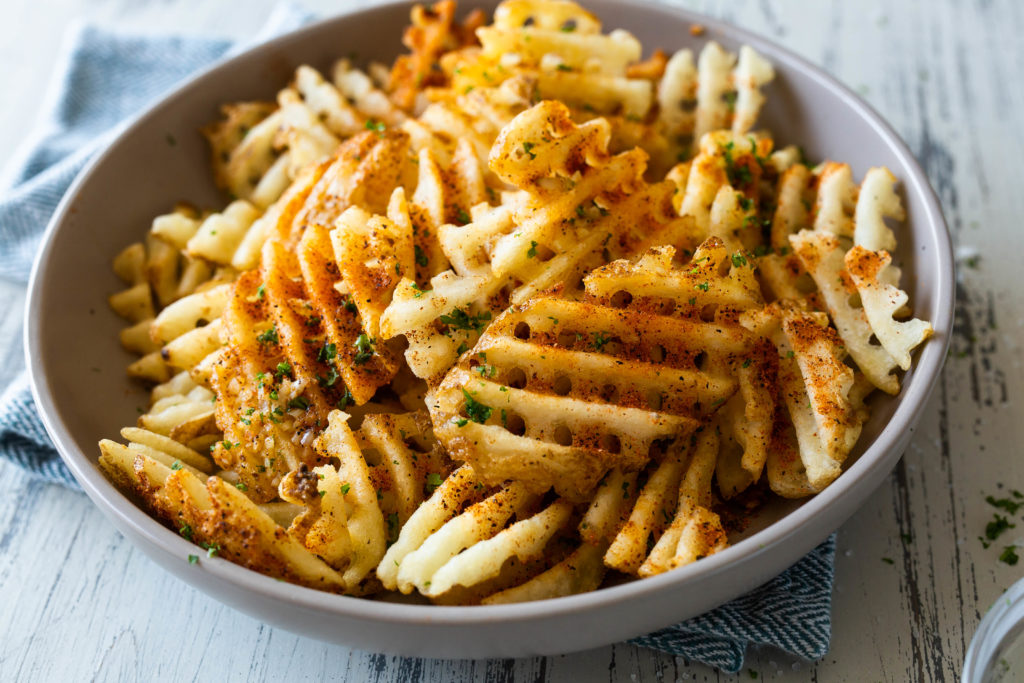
(78, 602)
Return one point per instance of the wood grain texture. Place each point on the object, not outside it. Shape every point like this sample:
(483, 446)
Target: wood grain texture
(77, 602)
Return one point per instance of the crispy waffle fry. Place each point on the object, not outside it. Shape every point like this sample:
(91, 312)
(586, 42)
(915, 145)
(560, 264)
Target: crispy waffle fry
(506, 316)
(578, 388)
(822, 256)
(876, 280)
(218, 516)
(695, 531)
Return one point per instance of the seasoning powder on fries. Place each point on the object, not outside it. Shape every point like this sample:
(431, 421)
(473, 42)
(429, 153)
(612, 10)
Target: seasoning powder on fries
(520, 312)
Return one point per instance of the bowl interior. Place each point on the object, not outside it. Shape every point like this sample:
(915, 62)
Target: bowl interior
(78, 364)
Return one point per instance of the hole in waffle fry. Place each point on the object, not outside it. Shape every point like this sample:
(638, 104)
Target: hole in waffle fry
(516, 378)
(664, 306)
(610, 443)
(515, 424)
(612, 347)
(620, 299)
(567, 339)
(654, 400)
(707, 313)
(563, 435)
(610, 393)
(700, 361)
(522, 331)
(658, 353)
(562, 385)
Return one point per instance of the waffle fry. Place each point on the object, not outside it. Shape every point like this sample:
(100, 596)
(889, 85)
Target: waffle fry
(513, 313)
(576, 385)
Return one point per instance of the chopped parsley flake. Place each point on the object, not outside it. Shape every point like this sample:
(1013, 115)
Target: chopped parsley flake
(997, 526)
(261, 292)
(186, 531)
(1009, 555)
(738, 175)
(477, 412)
(460, 320)
(462, 422)
(421, 258)
(1004, 504)
(346, 400)
(888, 560)
(463, 216)
(433, 481)
(528, 147)
(532, 251)
(739, 259)
(329, 379)
(377, 126)
(364, 349)
(327, 353)
(746, 363)
(349, 305)
(241, 486)
(298, 402)
(176, 465)
(269, 336)
(345, 488)
(703, 286)
(392, 527)
(193, 559)
(600, 339)
(284, 369)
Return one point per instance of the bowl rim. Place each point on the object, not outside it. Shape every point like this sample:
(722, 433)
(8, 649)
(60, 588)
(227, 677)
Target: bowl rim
(878, 454)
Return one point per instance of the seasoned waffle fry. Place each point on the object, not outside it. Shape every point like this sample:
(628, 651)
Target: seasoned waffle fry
(822, 256)
(577, 386)
(217, 515)
(505, 317)
(696, 531)
(876, 280)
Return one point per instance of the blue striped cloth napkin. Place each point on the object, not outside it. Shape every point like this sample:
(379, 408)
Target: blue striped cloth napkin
(104, 80)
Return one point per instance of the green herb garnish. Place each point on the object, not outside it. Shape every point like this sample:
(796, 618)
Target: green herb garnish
(477, 412)
(460, 320)
(364, 349)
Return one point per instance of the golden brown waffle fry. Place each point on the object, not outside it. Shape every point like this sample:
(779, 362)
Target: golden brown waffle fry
(620, 311)
(581, 389)
(432, 33)
(218, 516)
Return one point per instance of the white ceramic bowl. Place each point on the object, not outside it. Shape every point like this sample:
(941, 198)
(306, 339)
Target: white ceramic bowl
(71, 331)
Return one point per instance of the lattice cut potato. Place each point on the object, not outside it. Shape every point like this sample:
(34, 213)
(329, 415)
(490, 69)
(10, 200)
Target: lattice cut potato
(877, 282)
(817, 387)
(466, 543)
(695, 531)
(556, 393)
(712, 280)
(211, 512)
(722, 91)
(822, 256)
(517, 314)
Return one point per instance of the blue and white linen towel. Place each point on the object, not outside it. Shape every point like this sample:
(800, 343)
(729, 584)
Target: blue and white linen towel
(104, 80)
